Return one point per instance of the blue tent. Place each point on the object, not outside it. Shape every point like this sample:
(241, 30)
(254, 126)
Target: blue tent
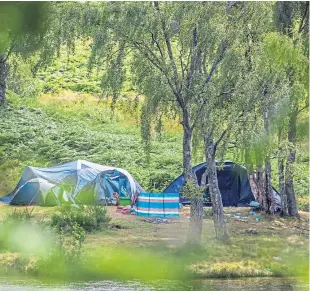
(233, 183)
(63, 183)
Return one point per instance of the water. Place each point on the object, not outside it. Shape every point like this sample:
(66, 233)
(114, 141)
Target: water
(248, 284)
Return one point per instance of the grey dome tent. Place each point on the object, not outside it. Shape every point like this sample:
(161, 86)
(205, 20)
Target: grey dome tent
(233, 183)
(35, 191)
(63, 182)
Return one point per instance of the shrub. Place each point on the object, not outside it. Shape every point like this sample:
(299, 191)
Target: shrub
(190, 190)
(71, 246)
(90, 218)
(303, 203)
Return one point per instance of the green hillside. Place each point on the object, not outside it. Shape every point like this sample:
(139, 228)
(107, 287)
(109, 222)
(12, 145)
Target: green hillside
(80, 127)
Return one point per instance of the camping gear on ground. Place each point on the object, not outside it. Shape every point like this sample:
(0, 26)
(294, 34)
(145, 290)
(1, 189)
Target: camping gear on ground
(157, 220)
(157, 204)
(67, 184)
(254, 204)
(124, 209)
(233, 184)
(251, 231)
(124, 201)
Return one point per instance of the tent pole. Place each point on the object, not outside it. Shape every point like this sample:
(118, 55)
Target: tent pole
(34, 197)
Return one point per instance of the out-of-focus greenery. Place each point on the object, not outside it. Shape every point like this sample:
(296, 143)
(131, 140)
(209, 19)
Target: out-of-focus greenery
(142, 250)
(61, 255)
(21, 25)
(21, 233)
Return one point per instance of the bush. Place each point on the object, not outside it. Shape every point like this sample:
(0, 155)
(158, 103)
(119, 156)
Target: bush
(71, 246)
(90, 218)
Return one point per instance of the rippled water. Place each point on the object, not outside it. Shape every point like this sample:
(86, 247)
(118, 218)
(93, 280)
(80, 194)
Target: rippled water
(249, 284)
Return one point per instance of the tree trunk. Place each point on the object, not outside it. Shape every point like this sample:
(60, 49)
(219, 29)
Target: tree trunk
(289, 173)
(196, 209)
(284, 209)
(269, 201)
(260, 184)
(221, 231)
(195, 224)
(4, 69)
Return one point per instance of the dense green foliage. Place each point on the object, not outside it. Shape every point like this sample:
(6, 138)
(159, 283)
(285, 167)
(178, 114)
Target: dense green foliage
(71, 73)
(90, 218)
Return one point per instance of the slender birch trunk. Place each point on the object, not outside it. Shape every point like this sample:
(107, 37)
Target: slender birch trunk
(289, 172)
(284, 208)
(220, 226)
(269, 201)
(196, 208)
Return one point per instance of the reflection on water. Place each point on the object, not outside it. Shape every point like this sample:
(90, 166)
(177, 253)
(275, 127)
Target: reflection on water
(248, 284)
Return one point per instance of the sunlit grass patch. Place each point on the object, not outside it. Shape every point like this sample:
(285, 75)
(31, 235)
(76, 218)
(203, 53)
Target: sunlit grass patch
(230, 269)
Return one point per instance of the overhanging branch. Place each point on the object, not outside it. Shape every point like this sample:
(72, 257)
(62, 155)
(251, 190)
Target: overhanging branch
(208, 79)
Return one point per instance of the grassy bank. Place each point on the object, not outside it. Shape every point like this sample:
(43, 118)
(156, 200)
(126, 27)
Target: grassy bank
(277, 247)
